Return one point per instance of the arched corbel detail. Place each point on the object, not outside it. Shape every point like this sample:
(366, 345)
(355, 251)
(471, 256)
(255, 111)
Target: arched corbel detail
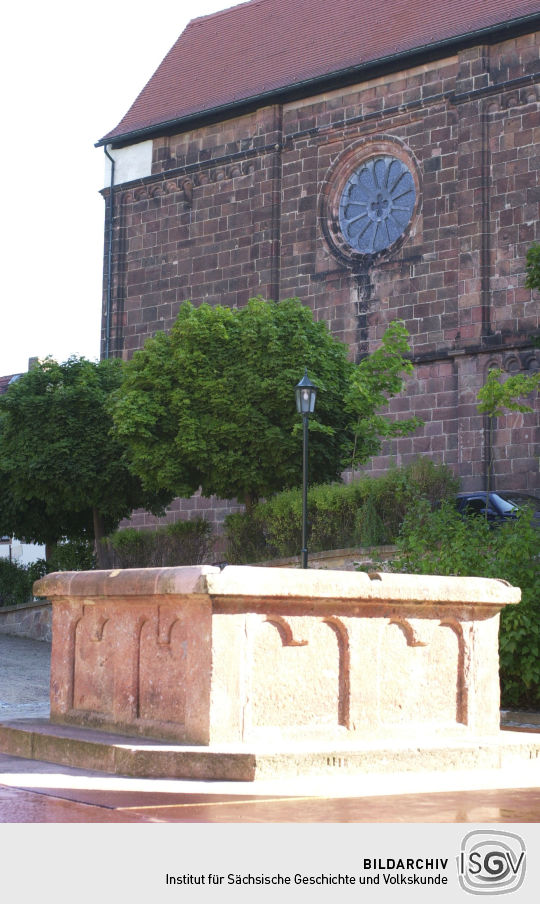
(285, 631)
(464, 672)
(344, 679)
(410, 631)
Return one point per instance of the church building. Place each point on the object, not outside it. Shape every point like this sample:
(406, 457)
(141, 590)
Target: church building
(380, 162)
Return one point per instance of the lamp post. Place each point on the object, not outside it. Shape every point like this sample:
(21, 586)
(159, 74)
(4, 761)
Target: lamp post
(306, 393)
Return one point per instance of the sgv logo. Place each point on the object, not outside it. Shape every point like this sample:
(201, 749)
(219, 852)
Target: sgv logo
(491, 863)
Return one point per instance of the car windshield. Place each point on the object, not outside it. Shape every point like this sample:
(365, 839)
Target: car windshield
(504, 505)
(518, 500)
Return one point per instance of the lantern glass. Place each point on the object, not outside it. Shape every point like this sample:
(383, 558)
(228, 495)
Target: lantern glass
(306, 394)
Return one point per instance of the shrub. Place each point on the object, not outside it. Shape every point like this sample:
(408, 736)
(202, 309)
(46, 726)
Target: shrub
(281, 522)
(430, 480)
(72, 555)
(15, 584)
(370, 526)
(245, 540)
(368, 511)
(181, 543)
(391, 496)
(187, 542)
(131, 548)
(332, 512)
(441, 542)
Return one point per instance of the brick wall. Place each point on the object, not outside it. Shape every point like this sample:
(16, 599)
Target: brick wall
(247, 207)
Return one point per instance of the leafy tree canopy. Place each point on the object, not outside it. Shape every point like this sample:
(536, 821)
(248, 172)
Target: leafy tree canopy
(62, 474)
(211, 404)
(498, 395)
(533, 267)
(501, 393)
(377, 378)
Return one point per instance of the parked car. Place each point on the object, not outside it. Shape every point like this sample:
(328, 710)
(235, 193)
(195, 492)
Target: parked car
(503, 505)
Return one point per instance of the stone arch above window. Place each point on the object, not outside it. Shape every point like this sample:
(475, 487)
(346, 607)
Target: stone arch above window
(370, 199)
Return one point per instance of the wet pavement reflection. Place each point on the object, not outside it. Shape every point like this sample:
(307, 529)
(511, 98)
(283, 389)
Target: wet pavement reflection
(80, 805)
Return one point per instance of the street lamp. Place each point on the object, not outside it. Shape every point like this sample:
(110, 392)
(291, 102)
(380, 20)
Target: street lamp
(306, 393)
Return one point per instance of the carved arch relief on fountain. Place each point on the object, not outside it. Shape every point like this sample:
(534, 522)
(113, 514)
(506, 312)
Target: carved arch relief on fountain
(303, 674)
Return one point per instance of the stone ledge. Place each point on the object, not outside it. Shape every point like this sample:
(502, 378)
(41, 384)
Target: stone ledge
(119, 755)
(252, 582)
(32, 620)
(343, 559)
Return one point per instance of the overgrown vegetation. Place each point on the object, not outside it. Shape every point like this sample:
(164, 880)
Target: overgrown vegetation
(367, 512)
(15, 583)
(441, 542)
(16, 580)
(72, 555)
(181, 543)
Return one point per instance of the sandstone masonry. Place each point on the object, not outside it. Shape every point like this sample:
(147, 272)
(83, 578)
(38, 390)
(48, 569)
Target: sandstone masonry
(247, 206)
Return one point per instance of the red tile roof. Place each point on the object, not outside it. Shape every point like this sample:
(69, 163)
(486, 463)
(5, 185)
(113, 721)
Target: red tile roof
(265, 46)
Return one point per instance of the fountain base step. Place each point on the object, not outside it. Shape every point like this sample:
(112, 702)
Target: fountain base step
(83, 748)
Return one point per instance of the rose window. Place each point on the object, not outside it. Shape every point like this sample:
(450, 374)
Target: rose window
(377, 204)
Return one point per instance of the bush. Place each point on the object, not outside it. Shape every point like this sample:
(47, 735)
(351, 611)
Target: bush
(366, 512)
(390, 497)
(15, 584)
(181, 543)
(281, 523)
(245, 540)
(441, 542)
(187, 542)
(72, 555)
(332, 511)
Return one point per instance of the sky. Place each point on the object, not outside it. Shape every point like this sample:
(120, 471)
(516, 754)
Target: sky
(70, 71)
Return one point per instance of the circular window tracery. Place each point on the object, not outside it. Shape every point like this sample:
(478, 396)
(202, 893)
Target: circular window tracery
(377, 204)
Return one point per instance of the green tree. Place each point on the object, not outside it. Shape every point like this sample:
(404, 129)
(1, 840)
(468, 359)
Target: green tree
(499, 395)
(533, 280)
(211, 404)
(533, 268)
(62, 473)
(377, 378)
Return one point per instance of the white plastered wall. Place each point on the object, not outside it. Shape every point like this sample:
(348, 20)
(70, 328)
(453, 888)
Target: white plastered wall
(130, 163)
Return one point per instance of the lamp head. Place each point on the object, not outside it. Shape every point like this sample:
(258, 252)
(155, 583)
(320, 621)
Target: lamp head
(306, 394)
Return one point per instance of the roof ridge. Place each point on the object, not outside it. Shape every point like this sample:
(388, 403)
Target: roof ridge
(222, 12)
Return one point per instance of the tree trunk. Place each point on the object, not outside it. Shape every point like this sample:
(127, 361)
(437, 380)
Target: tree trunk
(99, 534)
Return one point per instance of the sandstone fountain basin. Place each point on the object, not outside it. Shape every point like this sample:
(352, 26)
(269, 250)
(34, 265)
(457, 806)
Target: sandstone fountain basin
(248, 671)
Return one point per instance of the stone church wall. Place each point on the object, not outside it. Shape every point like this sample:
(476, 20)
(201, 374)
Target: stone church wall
(251, 206)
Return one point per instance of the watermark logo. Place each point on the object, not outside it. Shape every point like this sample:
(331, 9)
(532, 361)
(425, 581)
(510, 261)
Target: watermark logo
(491, 863)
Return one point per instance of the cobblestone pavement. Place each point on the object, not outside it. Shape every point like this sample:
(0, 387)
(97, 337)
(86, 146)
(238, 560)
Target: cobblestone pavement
(36, 792)
(24, 677)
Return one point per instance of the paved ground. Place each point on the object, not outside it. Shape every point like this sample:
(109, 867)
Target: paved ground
(24, 678)
(31, 791)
